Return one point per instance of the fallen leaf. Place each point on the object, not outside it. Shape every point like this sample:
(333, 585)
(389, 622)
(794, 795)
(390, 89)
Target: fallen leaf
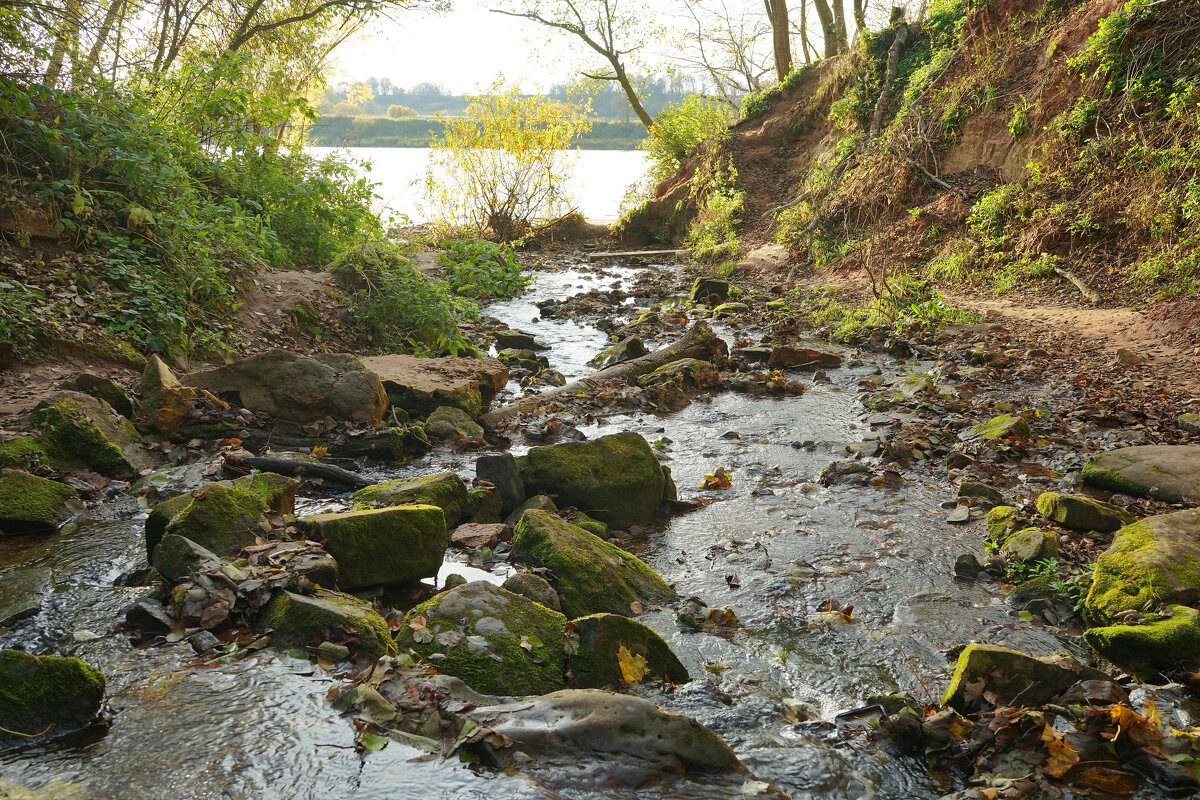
(633, 666)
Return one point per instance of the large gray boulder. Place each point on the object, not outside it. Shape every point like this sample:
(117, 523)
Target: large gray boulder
(1162, 471)
(420, 385)
(299, 388)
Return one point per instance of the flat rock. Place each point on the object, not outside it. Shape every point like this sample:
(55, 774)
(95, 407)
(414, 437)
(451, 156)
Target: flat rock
(1155, 560)
(473, 535)
(298, 620)
(420, 385)
(299, 388)
(1013, 676)
(1079, 513)
(785, 357)
(383, 546)
(445, 490)
(21, 592)
(1161, 471)
(768, 258)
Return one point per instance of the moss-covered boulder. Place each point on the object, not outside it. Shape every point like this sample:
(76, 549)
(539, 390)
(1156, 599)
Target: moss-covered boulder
(627, 349)
(382, 546)
(1013, 676)
(1157, 643)
(615, 650)
(489, 505)
(616, 478)
(1079, 513)
(582, 520)
(1002, 522)
(1153, 561)
(1000, 427)
(593, 576)
(31, 504)
(709, 291)
(693, 371)
(34, 451)
(45, 695)
(539, 502)
(448, 423)
(445, 490)
(297, 620)
(104, 389)
(90, 430)
(165, 401)
(1030, 545)
(495, 641)
(535, 587)
(730, 309)
(981, 493)
(1039, 588)
(176, 557)
(225, 515)
(1164, 472)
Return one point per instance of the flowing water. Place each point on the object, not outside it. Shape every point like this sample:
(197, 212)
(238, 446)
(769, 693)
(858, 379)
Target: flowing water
(773, 548)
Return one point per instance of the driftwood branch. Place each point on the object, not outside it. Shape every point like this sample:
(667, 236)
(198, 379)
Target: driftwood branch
(1085, 289)
(699, 342)
(297, 469)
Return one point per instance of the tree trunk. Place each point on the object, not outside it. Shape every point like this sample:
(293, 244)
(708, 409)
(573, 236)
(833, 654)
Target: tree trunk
(630, 93)
(895, 53)
(110, 19)
(860, 16)
(781, 39)
(804, 44)
(828, 29)
(839, 25)
(699, 342)
(66, 42)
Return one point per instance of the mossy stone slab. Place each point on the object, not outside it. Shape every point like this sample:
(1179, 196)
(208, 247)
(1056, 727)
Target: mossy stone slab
(298, 620)
(32, 504)
(1161, 471)
(382, 546)
(88, 429)
(46, 695)
(1014, 677)
(1079, 513)
(445, 490)
(1156, 644)
(1155, 560)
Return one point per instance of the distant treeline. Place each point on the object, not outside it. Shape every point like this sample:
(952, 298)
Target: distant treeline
(330, 131)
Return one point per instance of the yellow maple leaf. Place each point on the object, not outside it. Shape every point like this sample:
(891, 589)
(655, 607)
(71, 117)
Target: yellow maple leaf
(633, 666)
(1062, 756)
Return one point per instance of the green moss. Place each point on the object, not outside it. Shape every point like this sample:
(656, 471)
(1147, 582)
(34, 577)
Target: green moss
(1082, 513)
(87, 429)
(1155, 644)
(445, 490)
(601, 636)
(160, 516)
(477, 632)
(1033, 589)
(222, 518)
(1139, 571)
(30, 504)
(593, 576)
(1013, 676)
(1111, 479)
(385, 546)
(33, 451)
(306, 620)
(1001, 523)
(999, 427)
(40, 692)
(616, 478)
(539, 502)
(1030, 546)
(277, 491)
(582, 520)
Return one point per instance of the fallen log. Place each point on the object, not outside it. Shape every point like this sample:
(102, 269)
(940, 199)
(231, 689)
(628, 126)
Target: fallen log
(1089, 294)
(698, 342)
(297, 469)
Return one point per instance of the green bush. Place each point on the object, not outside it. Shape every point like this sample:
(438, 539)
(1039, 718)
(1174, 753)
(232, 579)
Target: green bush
(400, 112)
(482, 270)
(679, 129)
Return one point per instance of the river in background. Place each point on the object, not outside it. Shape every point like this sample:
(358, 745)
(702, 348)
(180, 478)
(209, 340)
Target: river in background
(599, 179)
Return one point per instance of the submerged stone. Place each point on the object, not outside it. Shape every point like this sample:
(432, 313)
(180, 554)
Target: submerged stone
(1164, 472)
(302, 620)
(593, 575)
(1079, 513)
(32, 504)
(1014, 677)
(1153, 561)
(616, 479)
(383, 546)
(45, 696)
(497, 642)
(445, 490)
(605, 640)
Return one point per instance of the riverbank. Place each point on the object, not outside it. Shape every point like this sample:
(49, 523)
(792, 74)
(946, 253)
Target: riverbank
(385, 132)
(813, 560)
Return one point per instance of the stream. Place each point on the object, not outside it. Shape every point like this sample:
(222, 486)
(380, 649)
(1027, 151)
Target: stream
(773, 548)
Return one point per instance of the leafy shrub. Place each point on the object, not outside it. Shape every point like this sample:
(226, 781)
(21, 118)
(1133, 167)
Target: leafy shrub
(394, 307)
(482, 270)
(400, 112)
(679, 129)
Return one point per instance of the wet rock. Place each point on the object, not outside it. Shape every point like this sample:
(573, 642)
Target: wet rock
(967, 567)
(958, 460)
(535, 587)
(1030, 546)
(709, 291)
(501, 471)
(1189, 423)
(693, 371)
(730, 309)
(539, 502)
(1013, 676)
(986, 495)
(960, 515)
(31, 504)
(524, 359)
(606, 641)
(1039, 588)
(298, 620)
(627, 349)
(445, 490)
(845, 473)
(593, 575)
(223, 516)
(1155, 560)
(450, 424)
(1156, 640)
(21, 592)
(751, 355)
(165, 401)
(496, 641)
(300, 388)
(616, 479)
(785, 357)
(148, 615)
(1079, 513)
(1000, 427)
(313, 563)
(104, 389)
(92, 432)
(45, 696)
(383, 546)
(203, 641)
(168, 482)
(454, 580)
(551, 377)
(475, 535)
(623, 740)
(519, 340)
(176, 557)
(1163, 472)
(489, 507)
(420, 385)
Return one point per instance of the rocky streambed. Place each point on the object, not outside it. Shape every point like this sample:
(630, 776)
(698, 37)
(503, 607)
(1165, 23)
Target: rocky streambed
(774, 550)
